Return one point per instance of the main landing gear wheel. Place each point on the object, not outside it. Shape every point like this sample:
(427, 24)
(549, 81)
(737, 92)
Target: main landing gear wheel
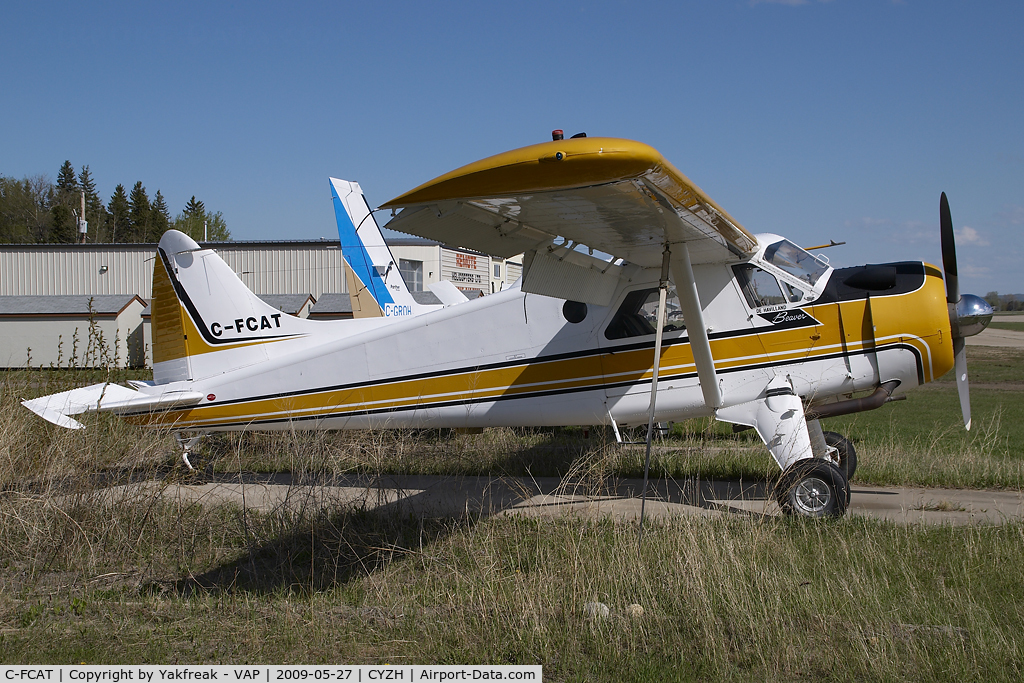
(847, 454)
(813, 488)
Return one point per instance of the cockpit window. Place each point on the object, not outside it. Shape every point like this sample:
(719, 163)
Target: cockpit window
(638, 315)
(795, 261)
(792, 292)
(759, 286)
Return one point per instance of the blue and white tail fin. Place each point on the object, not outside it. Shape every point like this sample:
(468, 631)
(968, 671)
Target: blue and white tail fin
(375, 284)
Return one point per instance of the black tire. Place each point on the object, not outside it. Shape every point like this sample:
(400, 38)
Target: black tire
(847, 453)
(813, 488)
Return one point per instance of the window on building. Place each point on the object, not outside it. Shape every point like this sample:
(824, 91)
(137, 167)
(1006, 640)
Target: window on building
(497, 270)
(412, 273)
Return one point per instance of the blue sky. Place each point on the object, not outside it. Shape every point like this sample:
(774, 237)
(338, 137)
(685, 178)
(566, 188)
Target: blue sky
(817, 120)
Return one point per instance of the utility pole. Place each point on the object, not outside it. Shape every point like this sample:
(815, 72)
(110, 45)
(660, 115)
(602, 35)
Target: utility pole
(83, 225)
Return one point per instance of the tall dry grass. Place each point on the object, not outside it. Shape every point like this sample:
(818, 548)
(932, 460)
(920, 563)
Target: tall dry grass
(102, 559)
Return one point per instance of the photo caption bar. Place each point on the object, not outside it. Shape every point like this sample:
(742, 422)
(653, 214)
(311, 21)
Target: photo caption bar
(357, 673)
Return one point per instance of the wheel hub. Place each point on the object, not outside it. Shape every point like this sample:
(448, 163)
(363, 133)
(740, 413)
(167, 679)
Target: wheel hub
(812, 495)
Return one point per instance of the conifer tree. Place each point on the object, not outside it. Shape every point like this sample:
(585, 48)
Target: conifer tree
(64, 227)
(120, 222)
(190, 221)
(160, 218)
(67, 182)
(195, 208)
(139, 213)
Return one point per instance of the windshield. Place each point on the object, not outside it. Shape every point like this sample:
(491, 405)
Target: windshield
(795, 261)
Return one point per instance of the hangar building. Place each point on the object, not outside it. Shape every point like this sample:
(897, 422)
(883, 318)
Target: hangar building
(45, 289)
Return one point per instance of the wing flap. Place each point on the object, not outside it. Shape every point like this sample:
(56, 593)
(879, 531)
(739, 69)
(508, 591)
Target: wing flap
(571, 275)
(468, 225)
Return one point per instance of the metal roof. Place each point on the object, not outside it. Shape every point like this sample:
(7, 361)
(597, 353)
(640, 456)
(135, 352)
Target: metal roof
(68, 304)
(287, 303)
(425, 297)
(331, 303)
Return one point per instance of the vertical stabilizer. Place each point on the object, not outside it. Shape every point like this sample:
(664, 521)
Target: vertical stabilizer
(170, 356)
(363, 303)
(205, 320)
(372, 270)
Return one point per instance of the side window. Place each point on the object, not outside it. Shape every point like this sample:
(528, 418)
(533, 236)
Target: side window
(759, 287)
(638, 315)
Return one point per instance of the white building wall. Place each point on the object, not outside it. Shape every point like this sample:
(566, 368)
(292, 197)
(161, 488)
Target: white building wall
(266, 268)
(430, 256)
(49, 341)
(508, 272)
(468, 272)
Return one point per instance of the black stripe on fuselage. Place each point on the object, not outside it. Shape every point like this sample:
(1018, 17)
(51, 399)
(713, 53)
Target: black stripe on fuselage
(568, 355)
(809, 321)
(534, 394)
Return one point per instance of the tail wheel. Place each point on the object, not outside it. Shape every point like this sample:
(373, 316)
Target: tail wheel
(847, 453)
(813, 488)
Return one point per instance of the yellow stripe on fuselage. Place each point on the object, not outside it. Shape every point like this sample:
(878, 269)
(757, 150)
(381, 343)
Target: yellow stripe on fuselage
(917, 319)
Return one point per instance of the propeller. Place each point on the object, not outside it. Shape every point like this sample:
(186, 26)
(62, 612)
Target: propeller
(968, 314)
(948, 251)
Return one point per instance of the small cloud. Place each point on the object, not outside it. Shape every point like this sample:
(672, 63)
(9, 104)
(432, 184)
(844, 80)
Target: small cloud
(970, 236)
(906, 232)
(1011, 215)
(971, 270)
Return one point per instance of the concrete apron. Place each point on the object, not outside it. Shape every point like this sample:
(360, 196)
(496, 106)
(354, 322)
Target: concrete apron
(455, 496)
(1010, 339)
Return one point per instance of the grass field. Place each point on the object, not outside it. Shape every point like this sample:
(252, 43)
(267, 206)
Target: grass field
(919, 441)
(146, 579)
(739, 599)
(1001, 325)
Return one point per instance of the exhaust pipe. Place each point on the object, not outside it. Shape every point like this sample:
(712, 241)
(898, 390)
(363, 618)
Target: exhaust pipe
(854, 405)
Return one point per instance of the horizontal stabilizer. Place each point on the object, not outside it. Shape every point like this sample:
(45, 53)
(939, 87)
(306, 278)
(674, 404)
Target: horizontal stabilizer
(57, 408)
(448, 293)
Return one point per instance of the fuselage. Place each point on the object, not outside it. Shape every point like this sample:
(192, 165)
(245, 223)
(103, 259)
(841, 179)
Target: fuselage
(517, 359)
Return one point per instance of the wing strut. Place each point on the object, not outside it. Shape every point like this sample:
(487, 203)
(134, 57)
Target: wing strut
(662, 296)
(686, 288)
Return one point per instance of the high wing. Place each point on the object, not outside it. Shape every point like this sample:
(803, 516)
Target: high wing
(617, 196)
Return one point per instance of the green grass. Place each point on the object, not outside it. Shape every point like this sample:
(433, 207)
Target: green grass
(919, 441)
(1000, 325)
(922, 441)
(732, 598)
(85, 578)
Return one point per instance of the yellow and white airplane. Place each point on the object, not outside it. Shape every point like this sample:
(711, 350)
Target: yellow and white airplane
(681, 313)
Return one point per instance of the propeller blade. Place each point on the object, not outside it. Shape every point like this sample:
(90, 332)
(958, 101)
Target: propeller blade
(960, 365)
(948, 251)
